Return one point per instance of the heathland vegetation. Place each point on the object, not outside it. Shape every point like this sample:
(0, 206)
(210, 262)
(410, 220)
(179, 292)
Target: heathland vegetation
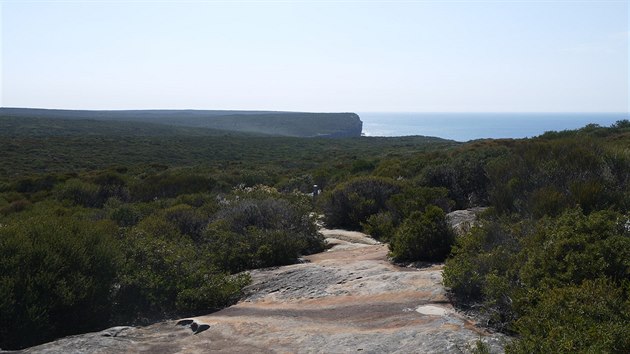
(112, 228)
(298, 124)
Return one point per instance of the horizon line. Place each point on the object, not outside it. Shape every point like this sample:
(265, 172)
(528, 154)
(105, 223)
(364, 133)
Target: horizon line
(307, 111)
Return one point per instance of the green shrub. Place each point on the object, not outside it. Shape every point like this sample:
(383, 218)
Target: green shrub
(36, 184)
(528, 277)
(422, 237)
(198, 200)
(168, 185)
(391, 168)
(303, 183)
(353, 202)
(591, 317)
(545, 176)
(125, 215)
(80, 193)
(166, 274)
(547, 201)
(412, 199)
(57, 276)
(257, 227)
(15, 207)
(188, 220)
(577, 247)
(589, 195)
(480, 269)
(380, 226)
(210, 292)
(112, 185)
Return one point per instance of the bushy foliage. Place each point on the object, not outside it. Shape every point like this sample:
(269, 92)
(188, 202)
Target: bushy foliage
(414, 198)
(480, 268)
(57, 277)
(528, 278)
(188, 220)
(257, 227)
(353, 202)
(169, 185)
(589, 317)
(575, 248)
(303, 183)
(164, 273)
(380, 226)
(35, 184)
(111, 185)
(543, 177)
(80, 193)
(423, 236)
(15, 206)
(463, 175)
(124, 215)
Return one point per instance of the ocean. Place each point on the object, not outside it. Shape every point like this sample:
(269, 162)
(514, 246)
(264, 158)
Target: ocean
(470, 126)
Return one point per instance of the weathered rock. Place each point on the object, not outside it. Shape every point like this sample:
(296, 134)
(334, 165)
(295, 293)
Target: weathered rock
(462, 220)
(347, 299)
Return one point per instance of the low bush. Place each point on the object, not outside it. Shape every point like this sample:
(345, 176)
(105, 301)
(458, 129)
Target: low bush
(591, 317)
(165, 274)
(258, 227)
(353, 202)
(57, 277)
(80, 193)
(15, 207)
(380, 226)
(561, 283)
(169, 185)
(423, 236)
(188, 220)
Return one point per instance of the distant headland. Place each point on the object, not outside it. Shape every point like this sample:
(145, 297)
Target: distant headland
(295, 124)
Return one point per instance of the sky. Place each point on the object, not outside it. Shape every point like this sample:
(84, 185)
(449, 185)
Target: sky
(324, 56)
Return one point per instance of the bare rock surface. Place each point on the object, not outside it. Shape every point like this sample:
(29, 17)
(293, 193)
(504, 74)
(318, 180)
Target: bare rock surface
(462, 220)
(347, 299)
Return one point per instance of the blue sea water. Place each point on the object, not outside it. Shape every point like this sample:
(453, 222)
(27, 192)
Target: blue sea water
(470, 126)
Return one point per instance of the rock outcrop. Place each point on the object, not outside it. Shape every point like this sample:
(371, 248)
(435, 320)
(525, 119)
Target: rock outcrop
(462, 220)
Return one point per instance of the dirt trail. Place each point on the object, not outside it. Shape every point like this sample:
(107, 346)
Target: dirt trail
(347, 299)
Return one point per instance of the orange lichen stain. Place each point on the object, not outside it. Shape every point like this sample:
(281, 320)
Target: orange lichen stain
(450, 327)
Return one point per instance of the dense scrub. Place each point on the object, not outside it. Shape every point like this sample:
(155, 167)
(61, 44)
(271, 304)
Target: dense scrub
(550, 261)
(113, 229)
(96, 252)
(560, 283)
(57, 276)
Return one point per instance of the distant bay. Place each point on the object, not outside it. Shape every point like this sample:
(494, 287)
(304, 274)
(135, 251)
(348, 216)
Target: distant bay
(470, 126)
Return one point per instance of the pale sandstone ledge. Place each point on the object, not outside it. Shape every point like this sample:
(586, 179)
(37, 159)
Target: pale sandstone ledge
(347, 299)
(462, 220)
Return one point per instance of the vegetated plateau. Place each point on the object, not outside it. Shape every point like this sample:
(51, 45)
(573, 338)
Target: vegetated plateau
(106, 222)
(204, 122)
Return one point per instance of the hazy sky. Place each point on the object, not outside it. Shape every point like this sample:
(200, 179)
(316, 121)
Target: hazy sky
(317, 55)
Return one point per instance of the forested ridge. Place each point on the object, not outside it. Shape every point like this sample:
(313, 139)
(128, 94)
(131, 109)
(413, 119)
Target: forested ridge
(110, 229)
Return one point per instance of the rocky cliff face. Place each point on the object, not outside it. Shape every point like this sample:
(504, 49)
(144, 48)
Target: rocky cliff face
(353, 127)
(348, 299)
